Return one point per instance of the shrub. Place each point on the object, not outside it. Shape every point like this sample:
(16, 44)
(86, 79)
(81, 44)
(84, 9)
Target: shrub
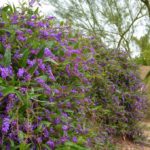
(53, 83)
(118, 95)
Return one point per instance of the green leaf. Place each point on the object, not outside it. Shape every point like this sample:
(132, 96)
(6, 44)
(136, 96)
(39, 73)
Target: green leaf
(24, 146)
(47, 59)
(45, 146)
(50, 44)
(7, 57)
(21, 135)
(41, 53)
(24, 58)
(8, 90)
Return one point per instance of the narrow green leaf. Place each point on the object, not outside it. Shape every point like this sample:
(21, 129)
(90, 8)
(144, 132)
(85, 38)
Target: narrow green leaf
(7, 57)
(24, 58)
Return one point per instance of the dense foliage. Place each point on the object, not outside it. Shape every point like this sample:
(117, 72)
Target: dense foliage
(58, 90)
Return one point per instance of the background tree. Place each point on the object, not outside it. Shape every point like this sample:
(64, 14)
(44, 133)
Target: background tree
(112, 22)
(144, 45)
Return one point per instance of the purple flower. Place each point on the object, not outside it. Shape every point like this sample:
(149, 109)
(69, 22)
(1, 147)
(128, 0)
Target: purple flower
(50, 17)
(41, 64)
(74, 139)
(47, 89)
(57, 121)
(51, 99)
(64, 139)
(51, 144)
(21, 72)
(1, 94)
(68, 70)
(19, 32)
(29, 31)
(5, 125)
(44, 33)
(21, 38)
(39, 140)
(40, 81)
(33, 17)
(27, 77)
(23, 89)
(40, 24)
(56, 91)
(31, 63)
(31, 23)
(56, 36)
(31, 2)
(5, 72)
(65, 127)
(74, 91)
(49, 71)
(47, 52)
(46, 133)
(14, 19)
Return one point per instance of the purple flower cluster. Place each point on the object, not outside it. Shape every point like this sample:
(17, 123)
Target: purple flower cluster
(5, 125)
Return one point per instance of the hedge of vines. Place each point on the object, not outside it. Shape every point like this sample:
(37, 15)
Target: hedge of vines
(60, 91)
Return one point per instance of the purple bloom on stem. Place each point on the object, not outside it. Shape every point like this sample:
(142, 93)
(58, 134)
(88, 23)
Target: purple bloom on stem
(64, 139)
(57, 121)
(21, 72)
(19, 32)
(74, 139)
(41, 64)
(65, 127)
(33, 17)
(68, 70)
(56, 91)
(51, 99)
(14, 19)
(44, 33)
(49, 71)
(29, 31)
(40, 81)
(23, 89)
(27, 77)
(50, 17)
(40, 24)
(47, 89)
(21, 38)
(51, 144)
(1, 94)
(5, 72)
(31, 63)
(39, 140)
(5, 125)
(47, 52)
(31, 23)
(46, 133)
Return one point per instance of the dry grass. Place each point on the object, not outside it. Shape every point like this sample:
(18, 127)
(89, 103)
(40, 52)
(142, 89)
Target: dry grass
(143, 71)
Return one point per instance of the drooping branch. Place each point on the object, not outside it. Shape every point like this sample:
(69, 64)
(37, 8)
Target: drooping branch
(124, 33)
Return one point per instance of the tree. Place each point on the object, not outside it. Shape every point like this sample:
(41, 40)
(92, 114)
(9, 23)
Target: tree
(144, 44)
(112, 22)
